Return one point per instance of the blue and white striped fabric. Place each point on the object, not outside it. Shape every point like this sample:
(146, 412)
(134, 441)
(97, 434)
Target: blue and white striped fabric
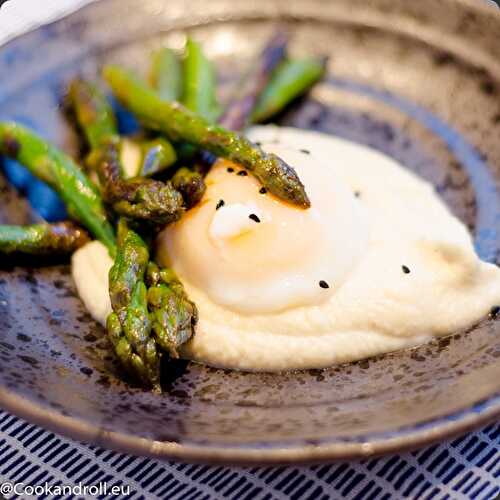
(468, 467)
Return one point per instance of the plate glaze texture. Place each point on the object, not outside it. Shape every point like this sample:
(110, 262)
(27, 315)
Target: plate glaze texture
(419, 81)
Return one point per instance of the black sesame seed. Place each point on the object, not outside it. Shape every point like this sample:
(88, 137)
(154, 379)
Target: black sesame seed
(254, 218)
(306, 151)
(262, 190)
(324, 284)
(242, 173)
(258, 143)
(495, 312)
(220, 203)
(405, 269)
(230, 169)
(357, 194)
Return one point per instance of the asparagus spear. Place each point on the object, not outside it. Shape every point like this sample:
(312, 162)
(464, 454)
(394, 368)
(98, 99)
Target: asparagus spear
(199, 95)
(129, 325)
(93, 112)
(199, 85)
(157, 155)
(42, 239)
(190, 184)
(291, 79)
(96, 119)
(166, 77)
(174, 316)
(145, 158)
(59, 171)
(166, 74)
(180, 124)
(136, 198)
(238, 112)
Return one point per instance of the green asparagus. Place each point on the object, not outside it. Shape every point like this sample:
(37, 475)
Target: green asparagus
(291, 79)
(173, 315)
(238, 112)
(199, 95)
(199, 83)
(42, 239)
(129, 325)
(136, 198)
(166, 74)
(59, 171)
(142, 157)
(157, 155)
(93, 112)
(190, 184)
(179, 123)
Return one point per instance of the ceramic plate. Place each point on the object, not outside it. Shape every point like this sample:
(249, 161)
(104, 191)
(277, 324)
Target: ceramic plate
(419, 81)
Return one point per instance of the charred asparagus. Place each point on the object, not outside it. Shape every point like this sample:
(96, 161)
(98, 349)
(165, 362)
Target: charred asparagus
(181, 124)
(199, 85)
(59, 171)
(173, 315)
(290, 80)
(136, 198)
(93, 112)
(42, 239)
(129, 326)
(166, 74)
(190, 184)
(238, 112)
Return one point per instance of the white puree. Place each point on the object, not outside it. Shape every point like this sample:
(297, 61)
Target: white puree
(90, 267)
(371, 307)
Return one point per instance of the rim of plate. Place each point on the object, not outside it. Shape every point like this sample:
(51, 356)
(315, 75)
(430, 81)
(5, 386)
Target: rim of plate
(438, 429)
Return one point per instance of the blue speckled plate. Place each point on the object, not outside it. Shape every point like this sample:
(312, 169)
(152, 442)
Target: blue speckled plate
(418, 80)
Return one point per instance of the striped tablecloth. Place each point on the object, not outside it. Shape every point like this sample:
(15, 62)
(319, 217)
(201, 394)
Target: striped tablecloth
(468, 467)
